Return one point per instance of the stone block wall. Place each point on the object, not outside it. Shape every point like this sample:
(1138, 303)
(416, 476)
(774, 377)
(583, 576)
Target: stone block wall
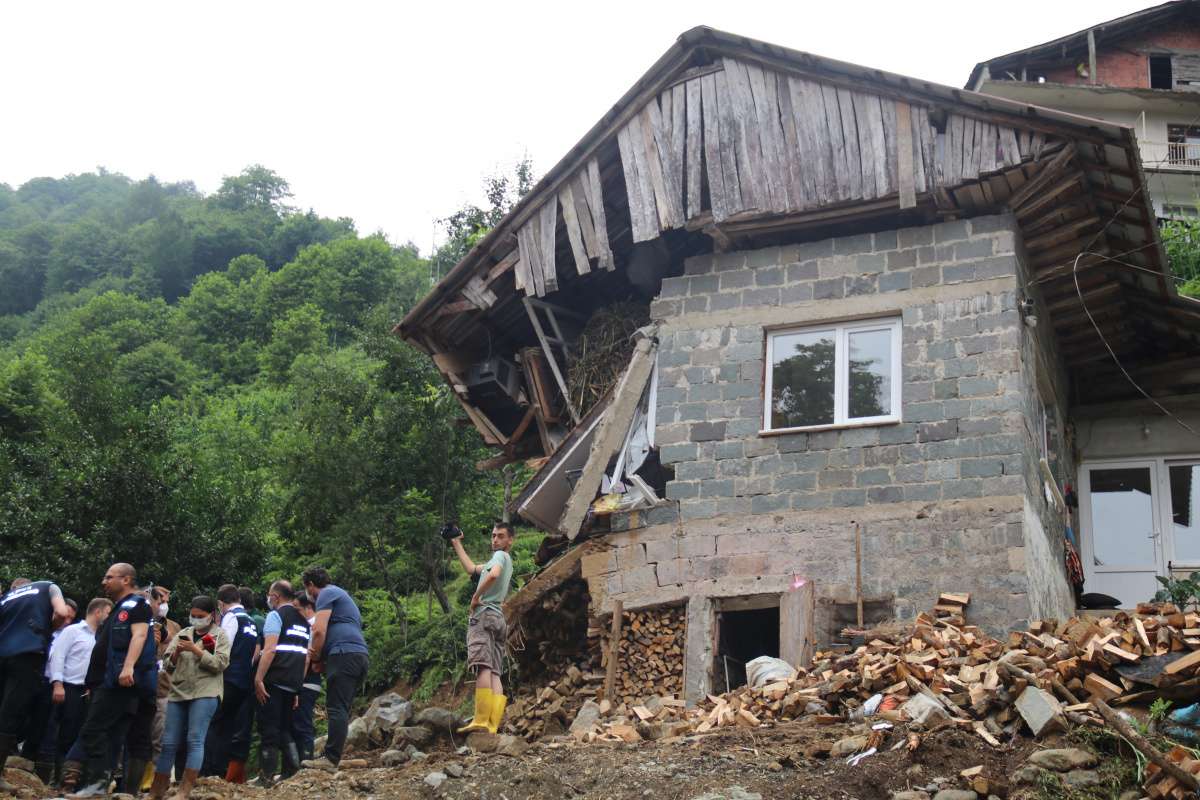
(962, 434)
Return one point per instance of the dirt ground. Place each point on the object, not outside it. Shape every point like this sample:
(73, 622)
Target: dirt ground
(731, 764)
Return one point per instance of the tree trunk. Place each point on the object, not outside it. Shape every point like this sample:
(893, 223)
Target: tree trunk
(509, 472)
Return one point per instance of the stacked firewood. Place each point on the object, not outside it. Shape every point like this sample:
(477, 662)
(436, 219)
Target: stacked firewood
(1159, 784)
(650, 654)
(548, 710)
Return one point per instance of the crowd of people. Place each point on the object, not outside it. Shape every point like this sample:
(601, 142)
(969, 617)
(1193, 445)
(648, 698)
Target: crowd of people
(127, 693)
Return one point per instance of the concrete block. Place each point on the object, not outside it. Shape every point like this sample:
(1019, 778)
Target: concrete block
(951, 231)
(698, 265)
(769, 276)
(885, 494)
(593, 564)
(766, 503)
(683, 490)
(695, 470)
(902, 259)
(674, 453)
(707, 432)
(766, 257)
(851, 245)
(938, 431)
(695, 305)
(1042, 713)
(831, 289)
(803, 271)
(895, 281)
(674, 287)
(725, 301)
(739, 279)
(727, 261)
(760, 297)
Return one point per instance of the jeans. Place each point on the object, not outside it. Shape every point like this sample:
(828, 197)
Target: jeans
(20, 680)
(227, 735)
(191, 717)
(68, 717)
(303, 730)
(344, 673)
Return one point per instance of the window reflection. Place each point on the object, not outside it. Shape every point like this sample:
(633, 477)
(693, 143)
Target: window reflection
(870, 373)
(802, 381)
(1185, 497)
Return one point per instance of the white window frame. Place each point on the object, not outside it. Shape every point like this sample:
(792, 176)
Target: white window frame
(841, 374)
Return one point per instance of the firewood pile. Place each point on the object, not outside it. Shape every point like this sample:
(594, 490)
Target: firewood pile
(650, 655)
(549, 710)
(1161, 785)
(553, 635)
(602, 351)
(941, 671)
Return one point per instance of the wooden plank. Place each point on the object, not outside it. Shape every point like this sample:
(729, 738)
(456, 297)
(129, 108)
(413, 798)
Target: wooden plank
(872, 144)
(566, 198)
(1189, 661)
(547, 221)
(812, 136)
(712, 150)
(749, 147)
(888, 108)
(991, 138)
(797, 188)
(796, 624)
(837, 142)
(678, 128)
(610, 435)
(478, 285)
(694, 148)
(968, 168)
(926, 169)
(860, 161)
(595, 198)
(951, 171)
(736, 184)
(668, 196)
(637, 151)
(766, 111)
(633, 187)
(614, 645)
(905, 169)
(1010, 153)
(583, 214)
(530, 258)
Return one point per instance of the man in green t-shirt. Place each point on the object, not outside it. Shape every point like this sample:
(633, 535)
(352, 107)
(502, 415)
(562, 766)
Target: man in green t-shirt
(487, 631)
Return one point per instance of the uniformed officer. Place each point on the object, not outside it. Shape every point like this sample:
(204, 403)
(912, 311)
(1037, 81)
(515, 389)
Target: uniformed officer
(228, 744)
(278, 681)
(129, 683)
(29, 613)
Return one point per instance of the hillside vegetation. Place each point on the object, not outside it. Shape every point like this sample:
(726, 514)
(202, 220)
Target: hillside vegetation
(207, 387)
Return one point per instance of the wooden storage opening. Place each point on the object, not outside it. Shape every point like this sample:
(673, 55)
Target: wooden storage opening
(744, 629)
(650, 660)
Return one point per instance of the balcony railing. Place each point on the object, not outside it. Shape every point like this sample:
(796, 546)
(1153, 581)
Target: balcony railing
(1172, 155)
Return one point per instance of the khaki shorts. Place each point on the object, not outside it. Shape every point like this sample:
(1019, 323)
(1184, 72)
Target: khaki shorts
(486, 634)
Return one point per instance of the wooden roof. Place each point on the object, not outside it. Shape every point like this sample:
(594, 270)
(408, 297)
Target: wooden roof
(733, 142)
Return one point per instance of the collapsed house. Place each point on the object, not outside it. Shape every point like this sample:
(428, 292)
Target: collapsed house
(868, 330)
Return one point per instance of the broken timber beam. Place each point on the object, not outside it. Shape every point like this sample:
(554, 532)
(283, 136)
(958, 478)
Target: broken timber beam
(610, 435)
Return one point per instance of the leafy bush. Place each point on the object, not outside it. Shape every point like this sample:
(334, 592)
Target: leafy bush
(1183, 592)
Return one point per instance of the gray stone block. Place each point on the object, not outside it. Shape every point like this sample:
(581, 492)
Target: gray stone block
(957, 273)
(885, 494)
(766, 257)
(992, 223)
(717, 487)
(725, 302)
(938, 431)
(861, 284)
(674, 453)
(898, 434)
(707, 432)
(697, 265)
(831, 289)
(737, 280)
(664, 309)
(803, 271)
(796, 293)
(973, 249)
(674, 287)
(768, 276)
(877, 476)
(693, 412)
(914, 237)
(981, 467)
(703, 284)
(766, 503)
(886, 240)
(895, 282)
(924, 412)
(795, 482)
(851, 245)
(695, 305)
(727, 261)
(682, 490)
(817, 249)
(760, 297)
(951, 231)
(902, 259)
(695, 470)
(849, 497)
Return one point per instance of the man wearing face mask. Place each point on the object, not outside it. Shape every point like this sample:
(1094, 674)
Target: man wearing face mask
(196, 657)
(277, 683)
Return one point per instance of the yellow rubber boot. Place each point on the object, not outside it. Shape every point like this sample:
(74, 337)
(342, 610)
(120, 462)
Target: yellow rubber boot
(483, 712)
(499, 702)
(148, 777)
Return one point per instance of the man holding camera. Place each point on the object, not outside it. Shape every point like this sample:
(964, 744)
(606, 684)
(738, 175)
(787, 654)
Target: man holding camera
(487, 630)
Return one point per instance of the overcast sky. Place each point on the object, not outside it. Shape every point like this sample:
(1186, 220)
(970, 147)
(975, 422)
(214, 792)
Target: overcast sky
(392, 113)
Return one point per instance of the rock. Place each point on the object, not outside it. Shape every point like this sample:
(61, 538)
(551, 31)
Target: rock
(16, 762)
(775, 766)
(393, 758)
(512, 746)
(463, 751)
(1041, 712)
(411, 734)
(386, 712)
(1130, 794)
(923, 711)
(915, 794)
(454, 770)
(1064, 760)
(483, 742)
(652, 730)
(848, 746)
(319, 745)
(1028, 775)
(586, 719)
(439, 720)
(732, 793)
(356, 736)
(956, 794)
(435, 779)
(1081, 778)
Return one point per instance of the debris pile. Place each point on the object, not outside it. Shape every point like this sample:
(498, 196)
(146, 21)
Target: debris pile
(650, 654)
(940, 671)
(602, 351)
(550, 710)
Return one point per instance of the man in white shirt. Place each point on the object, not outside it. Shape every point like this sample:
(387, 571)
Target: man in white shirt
(66, 669)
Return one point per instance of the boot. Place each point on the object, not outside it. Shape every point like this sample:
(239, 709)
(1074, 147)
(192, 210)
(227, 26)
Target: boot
(190, 776)
(147, 777)
(291, 760)
(97, 788)
(162, 782)
(268, 760)
(499, 702)
(132, 780)
(7, 745)
(236, 773)
(483, 712)
(71, 772)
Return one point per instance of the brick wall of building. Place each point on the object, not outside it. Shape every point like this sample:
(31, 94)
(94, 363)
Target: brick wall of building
(1125, 63)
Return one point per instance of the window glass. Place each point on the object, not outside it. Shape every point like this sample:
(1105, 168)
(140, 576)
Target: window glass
(870, 373)
(1185, 498)
(1122, 516)
(802, 382)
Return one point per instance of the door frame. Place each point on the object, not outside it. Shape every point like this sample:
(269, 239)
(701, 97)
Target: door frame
(1168, 525)
(1086, 550)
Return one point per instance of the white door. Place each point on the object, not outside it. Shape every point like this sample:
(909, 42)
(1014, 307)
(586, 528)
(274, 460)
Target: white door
(1123, 552)
(1181, 514)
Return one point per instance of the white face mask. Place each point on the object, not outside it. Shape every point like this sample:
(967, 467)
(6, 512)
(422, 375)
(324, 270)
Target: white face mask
(163, 608)
(200, 622)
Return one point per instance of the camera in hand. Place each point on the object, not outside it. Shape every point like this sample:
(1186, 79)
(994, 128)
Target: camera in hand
(450, 531)
(184, 637)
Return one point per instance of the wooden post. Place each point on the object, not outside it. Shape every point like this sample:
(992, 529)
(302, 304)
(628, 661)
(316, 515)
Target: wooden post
(1144, 747)
(614, 643)
(858, 595)
(1091, 56)
(796, 625)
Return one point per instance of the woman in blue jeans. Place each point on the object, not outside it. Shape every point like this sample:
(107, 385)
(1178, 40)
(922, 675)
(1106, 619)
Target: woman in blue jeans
(195, 658)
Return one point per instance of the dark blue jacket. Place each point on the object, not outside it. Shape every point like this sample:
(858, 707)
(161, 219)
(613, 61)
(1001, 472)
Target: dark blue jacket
(128, 610)
(26, 619)
(240, 672)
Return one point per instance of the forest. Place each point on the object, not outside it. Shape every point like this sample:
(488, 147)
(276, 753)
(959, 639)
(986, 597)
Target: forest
(207, 386)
